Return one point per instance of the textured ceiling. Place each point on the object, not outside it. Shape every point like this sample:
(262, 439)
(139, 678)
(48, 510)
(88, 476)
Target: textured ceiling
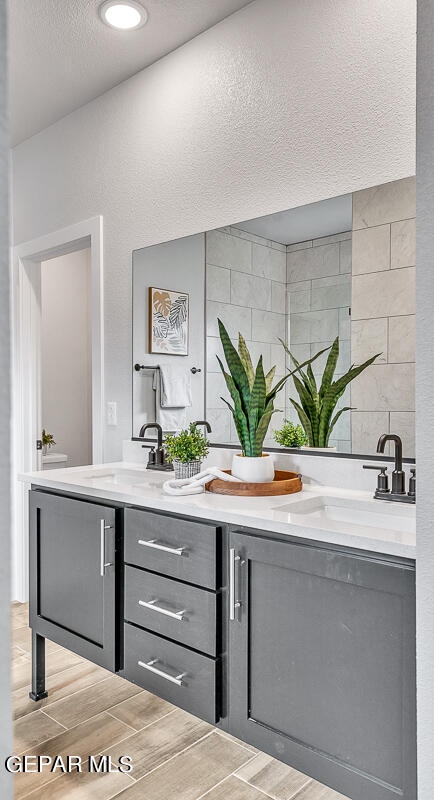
(62, 55)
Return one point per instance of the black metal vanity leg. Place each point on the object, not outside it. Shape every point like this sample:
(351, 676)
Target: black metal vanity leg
(38, 668)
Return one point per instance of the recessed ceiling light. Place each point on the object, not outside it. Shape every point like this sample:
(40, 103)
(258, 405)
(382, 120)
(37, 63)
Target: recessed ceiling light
(123, 14)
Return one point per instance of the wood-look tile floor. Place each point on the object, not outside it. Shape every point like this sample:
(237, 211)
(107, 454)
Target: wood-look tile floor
(175, 756)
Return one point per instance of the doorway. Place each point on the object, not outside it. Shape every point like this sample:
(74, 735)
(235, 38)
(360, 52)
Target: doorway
(33, 278)
(66, 361)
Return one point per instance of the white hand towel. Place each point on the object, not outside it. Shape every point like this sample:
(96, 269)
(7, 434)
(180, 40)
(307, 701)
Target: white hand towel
(196, 484)
(172, 419)
(175, 386)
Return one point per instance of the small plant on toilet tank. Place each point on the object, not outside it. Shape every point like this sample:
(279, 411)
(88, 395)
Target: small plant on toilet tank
(253, 396)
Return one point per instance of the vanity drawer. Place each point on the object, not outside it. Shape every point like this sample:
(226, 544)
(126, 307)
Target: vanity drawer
(175, 547)
(176, 610)
(181, 676)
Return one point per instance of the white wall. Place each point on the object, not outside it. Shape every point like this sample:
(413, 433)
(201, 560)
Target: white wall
(178, 265)
(66, 361)
(424, 399)
(281, 104)
(6, 789)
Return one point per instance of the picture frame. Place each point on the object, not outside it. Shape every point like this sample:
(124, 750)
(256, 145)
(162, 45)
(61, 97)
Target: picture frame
(169, 317)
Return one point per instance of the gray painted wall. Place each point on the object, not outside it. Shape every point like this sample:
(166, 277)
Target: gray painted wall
(424, 398)
(5, 685)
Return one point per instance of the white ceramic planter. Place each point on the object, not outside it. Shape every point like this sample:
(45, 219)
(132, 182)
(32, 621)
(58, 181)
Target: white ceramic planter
(253, 470)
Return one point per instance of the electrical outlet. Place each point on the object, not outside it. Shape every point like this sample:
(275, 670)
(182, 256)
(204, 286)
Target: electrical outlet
(112, 413)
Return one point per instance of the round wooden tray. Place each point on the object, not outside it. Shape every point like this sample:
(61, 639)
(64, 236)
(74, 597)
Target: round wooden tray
(284, 483)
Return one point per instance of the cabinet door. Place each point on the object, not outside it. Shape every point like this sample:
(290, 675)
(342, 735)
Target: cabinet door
(72, 575)
(322, 663)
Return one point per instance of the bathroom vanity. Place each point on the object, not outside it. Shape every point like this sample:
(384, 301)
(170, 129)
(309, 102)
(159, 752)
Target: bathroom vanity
(276, 619)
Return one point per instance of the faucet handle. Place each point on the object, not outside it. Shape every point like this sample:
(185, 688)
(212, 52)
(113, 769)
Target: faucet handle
(412, 483)
(383, 480)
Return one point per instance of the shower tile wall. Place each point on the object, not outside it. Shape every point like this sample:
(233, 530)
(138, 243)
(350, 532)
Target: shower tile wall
(383, 313)
(246, 283)
(318, 306)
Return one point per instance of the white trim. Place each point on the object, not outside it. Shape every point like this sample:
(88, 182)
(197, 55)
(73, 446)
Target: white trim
(26, 388)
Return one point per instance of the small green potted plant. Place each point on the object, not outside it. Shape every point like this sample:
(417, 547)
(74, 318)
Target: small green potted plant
(253, 396)
(316, 404)
(47, 441)
(186, 450)
(290, 435)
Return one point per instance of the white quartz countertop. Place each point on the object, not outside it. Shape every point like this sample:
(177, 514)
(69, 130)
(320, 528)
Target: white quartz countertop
(335, 516)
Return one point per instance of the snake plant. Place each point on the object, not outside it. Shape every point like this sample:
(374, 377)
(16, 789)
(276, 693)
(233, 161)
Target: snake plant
(317, 405)
(252, 392)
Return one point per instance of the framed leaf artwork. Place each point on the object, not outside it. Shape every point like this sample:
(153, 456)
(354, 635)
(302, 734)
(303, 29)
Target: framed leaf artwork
(168, 322)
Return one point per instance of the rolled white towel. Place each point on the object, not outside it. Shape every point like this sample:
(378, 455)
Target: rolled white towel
(196, 484)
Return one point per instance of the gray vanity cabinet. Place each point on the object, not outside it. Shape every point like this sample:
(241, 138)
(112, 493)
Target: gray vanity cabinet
(72, 576)
(321, 663)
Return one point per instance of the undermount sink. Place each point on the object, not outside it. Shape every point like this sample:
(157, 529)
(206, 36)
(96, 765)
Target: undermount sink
(328, 511)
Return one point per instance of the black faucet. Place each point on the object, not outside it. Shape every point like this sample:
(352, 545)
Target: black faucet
(203, 422)
(156, 458)
(398, 475)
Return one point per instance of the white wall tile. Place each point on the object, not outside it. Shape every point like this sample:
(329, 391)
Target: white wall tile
(292, 248)
(219, 419)
(315, 262)
(344, 324)
(402, 339)
(384, 294)
(345, 256)
(213, 349)
(218, 283)
(216, 389)
(278, 297)
(234, 318)
(267, 326)
(369, 336)
(278, 358)
(386, 203)
(404, 425)
(249, 290)
(371, 249)
(314, 326)
(366, 429)
(298, 300)
(336, 237)
(403, 243)
(224, 250)
(331, 292)
(384, 387)
(269, 263)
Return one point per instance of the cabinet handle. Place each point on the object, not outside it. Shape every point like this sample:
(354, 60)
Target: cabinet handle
(179, 615)
(149, 665)
(176, 551)
(103, 564)
(233, 604)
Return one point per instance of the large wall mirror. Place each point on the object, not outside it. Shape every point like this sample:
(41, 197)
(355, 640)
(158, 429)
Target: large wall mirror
(342, 267)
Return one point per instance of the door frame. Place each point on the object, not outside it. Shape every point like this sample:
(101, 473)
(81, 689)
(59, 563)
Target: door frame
(26, 260)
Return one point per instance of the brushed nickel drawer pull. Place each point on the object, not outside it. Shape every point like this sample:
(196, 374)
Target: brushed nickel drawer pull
(151, 668)
(233, 603)
(176, 551)
(151, 604)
